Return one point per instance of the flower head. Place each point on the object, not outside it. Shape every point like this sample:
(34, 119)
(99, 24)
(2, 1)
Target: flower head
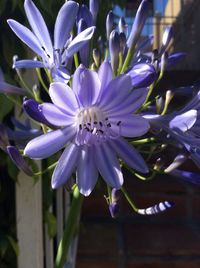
(54, 57)
(93, 117)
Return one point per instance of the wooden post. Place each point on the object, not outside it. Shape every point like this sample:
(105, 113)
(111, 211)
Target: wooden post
(29, 222)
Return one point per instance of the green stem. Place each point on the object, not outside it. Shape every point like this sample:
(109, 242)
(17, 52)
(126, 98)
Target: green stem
(76, 60)
(41, 80)
(142, 141)
(70, 228)
(128, 198)
(127, 60)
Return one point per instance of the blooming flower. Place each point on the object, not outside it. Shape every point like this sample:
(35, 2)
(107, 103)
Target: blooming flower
(54, 57)
(94, 116)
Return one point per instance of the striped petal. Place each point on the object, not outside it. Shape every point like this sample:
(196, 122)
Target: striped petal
(48, 144)
(108, 166)
(87, 173)
(79, 41)
(86, 86)
(63, 97)
(38, 25)
(129, 155)
(55, 116)
(26, 36)
(19, 64)
(156, 209)
(65, 166)
(129, 125)
(64, 23)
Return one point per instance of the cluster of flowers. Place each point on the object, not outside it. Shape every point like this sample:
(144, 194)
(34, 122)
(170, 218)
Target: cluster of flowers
(99, 103)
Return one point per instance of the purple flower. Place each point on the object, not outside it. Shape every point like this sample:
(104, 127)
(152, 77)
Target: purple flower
(54, 57)
(94, 116)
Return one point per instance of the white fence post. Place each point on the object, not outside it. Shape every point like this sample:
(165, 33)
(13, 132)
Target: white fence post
(29, 222)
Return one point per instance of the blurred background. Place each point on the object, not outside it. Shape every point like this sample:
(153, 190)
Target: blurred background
(130, 241)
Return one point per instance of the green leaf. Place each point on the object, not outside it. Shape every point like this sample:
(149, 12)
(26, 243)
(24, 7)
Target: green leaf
(50, 220)
(5, 106)
(14, 245)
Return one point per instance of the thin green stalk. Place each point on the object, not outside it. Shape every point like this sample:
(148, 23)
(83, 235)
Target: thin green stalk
(41, 80)
(46, 170)
(127, 60)
(128, 198)
(76, 60)
(23, 83)
(143, 141)
(70, 228)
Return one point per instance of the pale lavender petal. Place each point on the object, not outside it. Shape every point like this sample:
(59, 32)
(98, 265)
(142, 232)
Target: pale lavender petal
(65, 166)
(184, 121)
(142, 75)
(10, 89)
(86, 85)
(129, 155)
(18, 64)
(55, 116)
(64, 23)
(38, 25)
(129, 126)
(48, 144)
(105, 74)
(79, 41)
(63, 97)
(87, 173)
(26, 36)
(131, 103)
(108, 166)
(116, 92)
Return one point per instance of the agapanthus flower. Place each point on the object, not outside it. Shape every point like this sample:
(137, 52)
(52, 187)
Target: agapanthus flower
(93, 118)
(54, 57)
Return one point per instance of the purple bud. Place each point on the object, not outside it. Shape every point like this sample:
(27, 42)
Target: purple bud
(115, 195)
(94, 8)
(85, 14)
(178, 160)
(175, 58)
(122, 25)
(122, 38)
(188, 176)
(114, 209)
(18, 160)
(109, 24)
(167, 36)
(114, 47)
(32, 108)
(138, 24)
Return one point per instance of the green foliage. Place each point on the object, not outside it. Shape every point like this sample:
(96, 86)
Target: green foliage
(50, 220)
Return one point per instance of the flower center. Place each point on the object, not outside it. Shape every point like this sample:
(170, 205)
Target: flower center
(93, 127)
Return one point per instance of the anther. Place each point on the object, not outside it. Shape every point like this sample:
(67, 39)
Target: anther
(100, 123)
(118, 123)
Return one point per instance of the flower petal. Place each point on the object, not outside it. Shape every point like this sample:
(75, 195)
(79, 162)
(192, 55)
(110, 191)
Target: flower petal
(142, 75)
(63, 97)
(86, 85)
(48, 144)
(65, 166)
(38, 25)
(64, 23)
(129, 155)
(18, 64)
(105, 74)
(55, 116)
(130, 104)
(79, 41)
(116, 92)
(87, 173)
(129, 126)
(10, 89)
(26, 36)
(108, 166)
(184, 121)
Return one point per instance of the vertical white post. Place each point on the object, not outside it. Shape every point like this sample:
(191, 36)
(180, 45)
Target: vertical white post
(29, 222)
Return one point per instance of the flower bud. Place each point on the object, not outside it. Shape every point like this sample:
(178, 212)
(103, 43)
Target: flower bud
(122, 25)
(167, 36)
(138, 24)
(18, 160)
(109, 24)
(94, 8)
(114, 47)
(96, 56)
(114, 209)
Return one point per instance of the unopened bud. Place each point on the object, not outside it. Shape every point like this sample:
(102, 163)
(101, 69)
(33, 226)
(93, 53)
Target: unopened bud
(109, 24)
(114, 47)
